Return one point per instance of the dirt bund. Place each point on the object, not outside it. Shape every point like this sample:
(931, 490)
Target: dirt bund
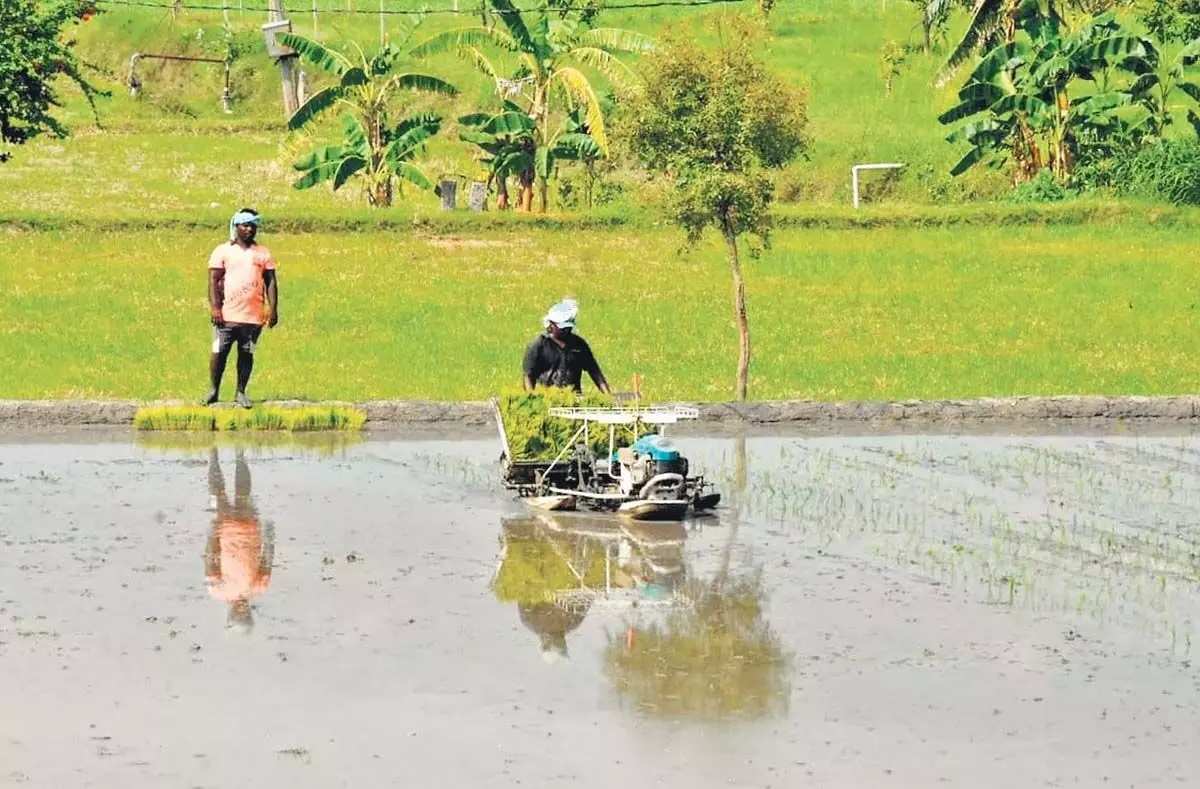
(382, 414)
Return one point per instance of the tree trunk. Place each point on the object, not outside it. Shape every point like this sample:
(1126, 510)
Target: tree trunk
(502, 193)
(739, 464)
(525, 192)
(383, 194)
(927, 25)
(722, 577)
(1062, 159)
(543, 194)
(589, 188)
(739, 311)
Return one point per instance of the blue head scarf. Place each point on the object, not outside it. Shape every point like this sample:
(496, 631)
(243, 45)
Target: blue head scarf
(242, 218)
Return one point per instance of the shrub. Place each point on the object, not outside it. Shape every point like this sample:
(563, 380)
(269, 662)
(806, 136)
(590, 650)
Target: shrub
(1042, 188)
(572, 188)
(1168, 170)
(791, 184)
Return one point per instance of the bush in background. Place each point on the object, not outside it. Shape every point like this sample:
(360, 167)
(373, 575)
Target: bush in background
(1167, 171)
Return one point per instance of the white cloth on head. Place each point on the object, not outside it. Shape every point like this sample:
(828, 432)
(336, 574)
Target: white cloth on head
(563, 314)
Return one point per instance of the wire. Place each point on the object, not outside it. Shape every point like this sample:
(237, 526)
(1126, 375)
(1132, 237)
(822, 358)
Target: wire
(393, 12)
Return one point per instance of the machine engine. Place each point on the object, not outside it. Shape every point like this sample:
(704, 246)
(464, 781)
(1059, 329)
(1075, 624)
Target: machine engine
(649, 457)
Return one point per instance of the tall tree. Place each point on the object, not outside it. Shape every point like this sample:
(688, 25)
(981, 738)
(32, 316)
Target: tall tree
(32, 56)
(554, 49)
(714, 121)
(717, 658)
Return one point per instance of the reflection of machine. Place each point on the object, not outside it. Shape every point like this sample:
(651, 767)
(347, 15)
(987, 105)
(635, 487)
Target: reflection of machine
(583, 560)
(648, 480)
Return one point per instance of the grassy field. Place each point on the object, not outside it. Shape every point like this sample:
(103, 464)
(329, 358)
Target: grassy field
(933, 289)
(173, 150)
(884, 313)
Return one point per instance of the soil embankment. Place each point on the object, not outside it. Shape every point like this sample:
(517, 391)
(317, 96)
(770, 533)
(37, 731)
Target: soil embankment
(381, 414)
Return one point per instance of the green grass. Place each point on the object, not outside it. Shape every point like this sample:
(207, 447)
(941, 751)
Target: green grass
(174, 153)
(887, 313)
(173, 150)
(203, 418)
(918, 294)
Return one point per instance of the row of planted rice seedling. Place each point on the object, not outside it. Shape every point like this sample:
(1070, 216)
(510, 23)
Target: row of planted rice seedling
(1098, 529)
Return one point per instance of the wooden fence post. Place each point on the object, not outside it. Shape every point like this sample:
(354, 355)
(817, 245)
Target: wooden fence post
(283, 55)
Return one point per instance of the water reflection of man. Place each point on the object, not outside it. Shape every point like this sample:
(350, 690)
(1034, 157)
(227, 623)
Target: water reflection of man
(239, 553)
(552, 622)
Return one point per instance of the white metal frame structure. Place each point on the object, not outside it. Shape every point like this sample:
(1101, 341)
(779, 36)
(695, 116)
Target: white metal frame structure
(854, 174)
(613, 417)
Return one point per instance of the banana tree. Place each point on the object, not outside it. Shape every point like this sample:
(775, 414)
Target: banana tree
(992, 24)
(1157, 87)
(357, 156)
(934, 16)
(507, 142)
(1021, 90)
(553, 50)
(367, 90)
(577, 144)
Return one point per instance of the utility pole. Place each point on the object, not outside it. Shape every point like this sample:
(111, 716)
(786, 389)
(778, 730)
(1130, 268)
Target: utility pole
(284, 56)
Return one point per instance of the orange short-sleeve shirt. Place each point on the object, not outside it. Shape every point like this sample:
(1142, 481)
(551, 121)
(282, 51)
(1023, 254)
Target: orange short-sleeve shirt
(245, 291)
(241, 576)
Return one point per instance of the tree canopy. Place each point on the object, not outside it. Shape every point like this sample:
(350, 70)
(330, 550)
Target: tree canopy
(32, 57)
(714, 121)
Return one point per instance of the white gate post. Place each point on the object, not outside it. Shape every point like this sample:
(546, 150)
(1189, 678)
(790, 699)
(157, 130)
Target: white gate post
(854, 174)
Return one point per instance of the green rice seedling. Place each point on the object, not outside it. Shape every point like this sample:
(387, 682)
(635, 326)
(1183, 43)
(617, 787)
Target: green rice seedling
(198, 442)
(533, 434)
(259, 418)
(175, 418)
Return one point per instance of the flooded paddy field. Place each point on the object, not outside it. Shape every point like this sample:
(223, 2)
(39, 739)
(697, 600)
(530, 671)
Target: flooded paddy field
(875, 610)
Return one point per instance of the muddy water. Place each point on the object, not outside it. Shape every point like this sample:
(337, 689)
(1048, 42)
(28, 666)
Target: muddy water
(894, 611)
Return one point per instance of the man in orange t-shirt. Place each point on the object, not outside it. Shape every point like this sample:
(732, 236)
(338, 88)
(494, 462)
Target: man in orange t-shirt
(239, 553)
(243, 296)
